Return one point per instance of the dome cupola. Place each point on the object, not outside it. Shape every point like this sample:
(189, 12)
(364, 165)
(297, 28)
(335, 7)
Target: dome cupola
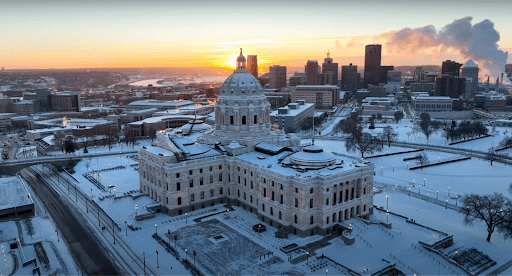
(240, 61)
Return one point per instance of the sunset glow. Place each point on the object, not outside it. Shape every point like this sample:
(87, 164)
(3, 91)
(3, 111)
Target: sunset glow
(94, 34)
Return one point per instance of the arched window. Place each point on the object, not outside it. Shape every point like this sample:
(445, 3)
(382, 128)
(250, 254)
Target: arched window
(311, 203)
(281, 199)
(178, 186)
(252, 187)
(311, 190)
(326, 201)
(245, 197)
(238, 193)
(333, 217)
(273, 195)
(251, 199)
(179, 200)
(296, 203)
(264, 192)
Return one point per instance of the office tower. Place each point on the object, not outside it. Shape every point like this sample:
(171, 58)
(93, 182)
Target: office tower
(252, 65)
(383, 73)
(372, 59)
(451, 68)
(448, 85)
(297, 79)
(43, 95)
(394, 76)
(508, 70)
(419, 74)
(312, 72)
(349, 78)
(470, 71)
(277, 77)
(329, 66)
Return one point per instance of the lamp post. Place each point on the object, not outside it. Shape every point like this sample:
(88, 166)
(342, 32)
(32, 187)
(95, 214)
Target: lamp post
(57, 235)
(169, 235)
(409, 191)
(307, 258)
(407, 165)
(126, 227)
(424, 180)
(437, 194)
(113, 233)
(155, 229)
(387, 215)
(387, 202)
(446, 204)
(427, 198)
(393, 168)
(186, 218)
(456, 197)
(381, 169)
(419, 189)
(194, 253)
(413, 182)
(186, 257)
(449, 191)
(92, 197)
(326, 271)
(136, 207)
(157, 264)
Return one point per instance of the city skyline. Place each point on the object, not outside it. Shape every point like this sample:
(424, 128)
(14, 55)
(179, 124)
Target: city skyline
(94, 34)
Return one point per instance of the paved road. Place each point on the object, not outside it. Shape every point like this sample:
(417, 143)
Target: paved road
(81, 241)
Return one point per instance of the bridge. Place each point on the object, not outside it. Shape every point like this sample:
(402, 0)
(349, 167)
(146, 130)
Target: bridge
(480, 113)
(11, 166)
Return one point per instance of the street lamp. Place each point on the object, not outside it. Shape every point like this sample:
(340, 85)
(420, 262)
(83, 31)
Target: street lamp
(326, 272)
(381, 169)
(387, 215)
(307, 258)
(155, 229)
(424, 180)
(194, 253)
(456, 197)
(186, 218)
(136, 207)
(393, 168)
(186, 257)
(427, 198)
(126, 227)
(437, 194)
(409, 191)
(407, 165)
(448, 191)
(57, 235)
(413, 181)
(157, 264)
(446, 204)
(419, 189)
(387, 202)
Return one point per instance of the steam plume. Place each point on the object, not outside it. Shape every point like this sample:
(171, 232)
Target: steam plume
(478, 42)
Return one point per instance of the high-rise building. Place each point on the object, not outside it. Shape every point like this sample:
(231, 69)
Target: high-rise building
(394, 76)
(470, 71)
(383, 73)
(448, 85)
(372, 60)
(65, 101)
(252, 65)
(419, 74)
(277, 76)
(508, 70)
(297, 79)
(451, 68)
(349, 78)
(312, 72)
(43, 95)
(329, 66)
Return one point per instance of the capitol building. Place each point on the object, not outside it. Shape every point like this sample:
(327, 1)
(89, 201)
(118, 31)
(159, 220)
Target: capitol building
(242, 161)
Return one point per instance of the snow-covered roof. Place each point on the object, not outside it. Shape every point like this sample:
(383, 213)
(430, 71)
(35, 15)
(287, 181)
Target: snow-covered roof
(469, 63)
(293, 112)
(161, 103)
(317, 87)
(13, 193)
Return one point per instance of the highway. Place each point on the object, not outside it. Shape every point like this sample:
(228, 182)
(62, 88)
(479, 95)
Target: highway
(82, 243)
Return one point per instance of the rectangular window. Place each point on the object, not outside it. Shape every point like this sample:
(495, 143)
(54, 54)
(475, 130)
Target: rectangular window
(220, 176)
(244, 120)
(231, 120)
(191, 183)
(211, 178)
(178, 186)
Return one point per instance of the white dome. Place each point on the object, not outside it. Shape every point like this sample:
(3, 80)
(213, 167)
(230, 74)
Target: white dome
(194, 126)
(313, 156)
(469, 63)
(241, 83)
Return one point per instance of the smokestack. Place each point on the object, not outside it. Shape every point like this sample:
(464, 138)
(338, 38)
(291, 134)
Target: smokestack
(502, 77)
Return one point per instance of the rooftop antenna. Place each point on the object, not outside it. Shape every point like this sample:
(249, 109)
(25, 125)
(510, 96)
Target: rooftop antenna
(313, 141)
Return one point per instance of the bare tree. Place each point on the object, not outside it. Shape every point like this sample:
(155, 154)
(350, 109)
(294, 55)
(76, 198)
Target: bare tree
(365, 143)
(506, 142)
(422, 160)
(493, 155)
(492, 209)
(388, 135)
(426, 126)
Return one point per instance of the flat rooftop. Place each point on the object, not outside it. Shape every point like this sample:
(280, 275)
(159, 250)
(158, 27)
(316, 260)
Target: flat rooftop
(13, 192)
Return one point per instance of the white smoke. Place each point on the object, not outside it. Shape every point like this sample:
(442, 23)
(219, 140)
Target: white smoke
(478, 42)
